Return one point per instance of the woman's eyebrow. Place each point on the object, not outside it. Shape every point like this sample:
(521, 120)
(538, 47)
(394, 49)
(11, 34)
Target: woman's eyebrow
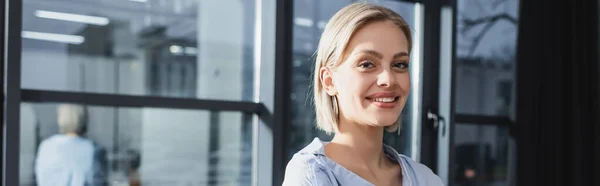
(380, 56)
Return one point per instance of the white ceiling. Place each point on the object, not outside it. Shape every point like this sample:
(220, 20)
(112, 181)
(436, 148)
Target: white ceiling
(177, 15)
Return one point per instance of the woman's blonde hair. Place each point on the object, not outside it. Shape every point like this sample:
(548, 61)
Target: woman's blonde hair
(72, 119)
(335, 37)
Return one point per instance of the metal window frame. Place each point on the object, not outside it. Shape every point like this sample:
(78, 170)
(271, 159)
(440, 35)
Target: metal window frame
(282, 111)
(97, 99)
(12, 94)
(442, 87)
(2, 59)
(278, 121)
(451, 119)
(11, 78)
(483, 120)
(430, 84)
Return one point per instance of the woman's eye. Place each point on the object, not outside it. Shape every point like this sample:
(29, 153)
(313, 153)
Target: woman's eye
(366, 64)
(402, 65)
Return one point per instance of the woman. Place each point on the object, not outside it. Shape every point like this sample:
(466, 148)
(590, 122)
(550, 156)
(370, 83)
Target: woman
(69, 158)
(361, 83)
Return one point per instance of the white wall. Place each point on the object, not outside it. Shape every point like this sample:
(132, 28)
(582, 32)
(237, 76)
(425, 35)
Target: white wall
(42, 69)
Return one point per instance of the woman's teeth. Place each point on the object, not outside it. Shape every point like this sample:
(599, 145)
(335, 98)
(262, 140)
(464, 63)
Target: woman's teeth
(385, 100)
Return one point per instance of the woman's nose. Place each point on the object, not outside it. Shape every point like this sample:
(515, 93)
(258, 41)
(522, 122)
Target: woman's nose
(386, 79)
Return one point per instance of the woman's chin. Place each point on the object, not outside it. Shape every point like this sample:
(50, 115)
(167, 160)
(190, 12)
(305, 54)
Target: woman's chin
(385, 119)
(384, 122)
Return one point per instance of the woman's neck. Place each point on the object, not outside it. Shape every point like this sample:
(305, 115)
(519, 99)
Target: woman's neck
(364, 142)
(71, 134)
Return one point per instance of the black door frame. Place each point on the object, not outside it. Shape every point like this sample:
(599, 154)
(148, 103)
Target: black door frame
(430, 82)
(12, 95)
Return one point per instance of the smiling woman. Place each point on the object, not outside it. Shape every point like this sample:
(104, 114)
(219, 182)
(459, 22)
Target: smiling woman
(371, 59)
(310, 18)
(361, 83)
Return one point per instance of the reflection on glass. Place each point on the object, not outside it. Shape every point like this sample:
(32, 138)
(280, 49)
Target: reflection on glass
(133, 146)
(486, 34)
(179, 48)
(310, 17)
(481, 155)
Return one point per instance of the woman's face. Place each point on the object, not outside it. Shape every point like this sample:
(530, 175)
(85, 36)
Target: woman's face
(372, 82)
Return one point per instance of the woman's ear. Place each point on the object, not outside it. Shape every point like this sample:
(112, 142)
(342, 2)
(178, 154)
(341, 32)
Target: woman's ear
(327, 81)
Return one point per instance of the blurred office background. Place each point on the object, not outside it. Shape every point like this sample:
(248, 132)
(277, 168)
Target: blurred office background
(217, 92)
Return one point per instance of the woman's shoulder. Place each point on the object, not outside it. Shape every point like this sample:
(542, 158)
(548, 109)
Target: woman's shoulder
(415, 166)
(305, 168)
(415, 172)
(421, 173)
(303, 160)
(302, 170)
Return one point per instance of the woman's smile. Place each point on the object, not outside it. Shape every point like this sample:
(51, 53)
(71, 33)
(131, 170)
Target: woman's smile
(385, 100)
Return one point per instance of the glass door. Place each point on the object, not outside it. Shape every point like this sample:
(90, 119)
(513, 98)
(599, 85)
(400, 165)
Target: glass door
(471, 96)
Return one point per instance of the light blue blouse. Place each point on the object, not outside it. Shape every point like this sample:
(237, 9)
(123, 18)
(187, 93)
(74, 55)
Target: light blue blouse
(69, 160)
(310, 167)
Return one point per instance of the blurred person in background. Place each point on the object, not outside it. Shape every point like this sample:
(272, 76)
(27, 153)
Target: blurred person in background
(68, 158)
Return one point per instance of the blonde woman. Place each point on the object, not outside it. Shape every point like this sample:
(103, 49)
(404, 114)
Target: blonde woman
(361, 83)
(69, 158)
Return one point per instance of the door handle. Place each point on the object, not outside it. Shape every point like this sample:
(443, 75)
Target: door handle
(438, 121)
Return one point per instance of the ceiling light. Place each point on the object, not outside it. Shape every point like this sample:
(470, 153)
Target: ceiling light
(62, 38)
(176, 49)
(300, 21)
(191, 51)
(72, 17)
